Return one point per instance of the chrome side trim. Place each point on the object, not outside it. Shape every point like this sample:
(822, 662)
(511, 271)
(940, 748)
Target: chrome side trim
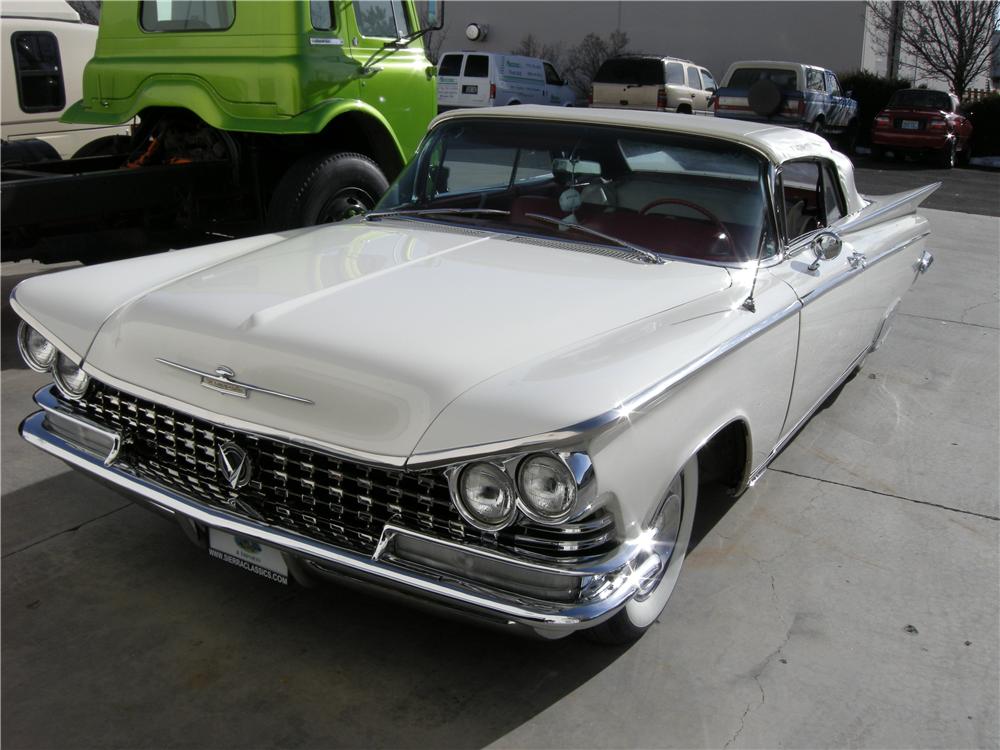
(780, 446)
(224, 376)
(575, 434)
(543, 615)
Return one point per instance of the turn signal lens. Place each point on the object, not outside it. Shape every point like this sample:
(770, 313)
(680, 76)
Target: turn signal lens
(548, 489)
(38, 352)
(487, 496)
(71, 381)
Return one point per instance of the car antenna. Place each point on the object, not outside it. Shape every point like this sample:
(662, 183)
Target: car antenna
(749, 304)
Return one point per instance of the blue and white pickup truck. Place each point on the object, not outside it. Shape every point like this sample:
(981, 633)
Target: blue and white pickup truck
(787, 93)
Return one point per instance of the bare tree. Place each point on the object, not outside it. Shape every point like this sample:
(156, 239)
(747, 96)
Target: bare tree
(586, 58)
(531, 47)
(950, 40)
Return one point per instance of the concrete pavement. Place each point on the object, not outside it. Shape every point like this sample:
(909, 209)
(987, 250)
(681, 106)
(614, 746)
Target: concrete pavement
(849, 599)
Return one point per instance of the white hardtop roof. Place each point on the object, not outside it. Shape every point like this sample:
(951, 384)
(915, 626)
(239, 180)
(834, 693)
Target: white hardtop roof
(54, 10)
(778, 144)
(773, 64)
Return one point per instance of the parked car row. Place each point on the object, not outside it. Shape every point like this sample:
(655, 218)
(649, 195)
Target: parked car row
(792, 94)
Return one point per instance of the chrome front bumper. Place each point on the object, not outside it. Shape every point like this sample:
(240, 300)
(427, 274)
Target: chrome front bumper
(603, 587)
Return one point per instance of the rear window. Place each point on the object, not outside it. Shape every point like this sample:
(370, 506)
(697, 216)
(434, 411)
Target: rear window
(744, 78)
(477, 66)
(634, 71)
(187, 15)
(921, 99)
(451, 65)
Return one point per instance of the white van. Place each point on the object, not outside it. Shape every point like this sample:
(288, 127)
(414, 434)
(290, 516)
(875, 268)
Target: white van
(492, 79)
(45, 48)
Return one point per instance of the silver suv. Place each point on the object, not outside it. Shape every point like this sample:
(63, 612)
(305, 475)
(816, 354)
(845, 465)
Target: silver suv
(667, 84)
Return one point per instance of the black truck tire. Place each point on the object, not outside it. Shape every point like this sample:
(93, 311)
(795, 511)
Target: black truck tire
(27, 151)
(325, 187)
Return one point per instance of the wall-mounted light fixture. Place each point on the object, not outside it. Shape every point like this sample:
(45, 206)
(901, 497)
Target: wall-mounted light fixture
(476, 32)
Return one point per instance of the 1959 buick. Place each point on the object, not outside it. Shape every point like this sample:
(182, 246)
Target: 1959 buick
(499, 391)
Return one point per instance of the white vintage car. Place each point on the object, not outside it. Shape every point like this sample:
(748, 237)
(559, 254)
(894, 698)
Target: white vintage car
(499, 391)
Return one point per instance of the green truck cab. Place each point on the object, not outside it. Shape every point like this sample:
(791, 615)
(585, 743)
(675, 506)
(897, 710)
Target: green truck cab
(304, 111)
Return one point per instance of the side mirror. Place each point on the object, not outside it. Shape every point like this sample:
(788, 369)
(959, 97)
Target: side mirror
(849, 93)
(825, 246)
(434, 15)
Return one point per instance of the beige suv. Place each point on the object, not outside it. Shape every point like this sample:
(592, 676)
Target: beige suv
(667, 84)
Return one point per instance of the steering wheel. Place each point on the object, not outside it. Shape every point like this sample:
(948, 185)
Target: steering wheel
(726, 235)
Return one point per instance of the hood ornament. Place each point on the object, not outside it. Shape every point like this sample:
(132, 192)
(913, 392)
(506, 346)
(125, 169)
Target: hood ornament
(223, 380)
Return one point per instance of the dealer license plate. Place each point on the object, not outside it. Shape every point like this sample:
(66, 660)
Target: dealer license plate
(248, 554)
(911, 125)
(470, 89)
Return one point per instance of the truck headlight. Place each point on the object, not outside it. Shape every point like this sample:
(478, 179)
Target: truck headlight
(486, 496)
(37, 351)
(547, 487)
(70, 379)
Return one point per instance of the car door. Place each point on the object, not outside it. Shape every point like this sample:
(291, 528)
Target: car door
(709, 85)
(555, 92)
(832, 336)
(699, 97)
(840, 110)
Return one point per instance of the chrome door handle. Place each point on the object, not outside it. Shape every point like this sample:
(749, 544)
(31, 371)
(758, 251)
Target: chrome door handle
(857, 260)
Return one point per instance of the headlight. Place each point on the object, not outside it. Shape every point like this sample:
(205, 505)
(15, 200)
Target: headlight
(70, 379)
(548, 489)
(486, 496)
(38, 352)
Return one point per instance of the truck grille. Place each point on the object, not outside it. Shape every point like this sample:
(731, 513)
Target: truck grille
(315, 494)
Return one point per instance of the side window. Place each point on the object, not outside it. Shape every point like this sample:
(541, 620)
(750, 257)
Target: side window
(833, 202)
(708, 81)
(675, 74)
(477, 66)
(694, 80)
(38, 71)
(385, 19)
(551, 77)
(451, 65)
(187, 15)
(801, 190)
(833, 85)
(814, 80)
(321, 15)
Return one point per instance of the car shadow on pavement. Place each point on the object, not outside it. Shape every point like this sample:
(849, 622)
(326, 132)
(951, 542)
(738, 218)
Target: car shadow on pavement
(135, 637)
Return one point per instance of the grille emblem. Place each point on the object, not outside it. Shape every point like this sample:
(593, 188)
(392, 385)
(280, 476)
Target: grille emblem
(234, 465)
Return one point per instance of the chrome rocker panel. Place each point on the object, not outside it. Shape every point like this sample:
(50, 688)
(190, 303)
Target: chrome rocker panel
(545, 618)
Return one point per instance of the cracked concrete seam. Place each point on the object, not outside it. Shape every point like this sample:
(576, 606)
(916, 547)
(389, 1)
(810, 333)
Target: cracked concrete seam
(953, 322)
(974, 513)
(70, 530)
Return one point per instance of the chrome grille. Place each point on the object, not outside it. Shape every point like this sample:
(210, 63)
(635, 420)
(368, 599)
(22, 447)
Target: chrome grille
(320, 496)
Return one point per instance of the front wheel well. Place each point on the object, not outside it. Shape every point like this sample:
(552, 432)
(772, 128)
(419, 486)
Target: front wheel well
(724, 459)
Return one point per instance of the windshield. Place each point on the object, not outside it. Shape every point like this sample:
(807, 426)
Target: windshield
(677, 195)
(921, 99)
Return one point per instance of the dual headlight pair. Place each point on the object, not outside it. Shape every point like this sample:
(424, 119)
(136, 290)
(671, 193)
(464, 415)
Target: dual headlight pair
(41, 355)
(541, 485)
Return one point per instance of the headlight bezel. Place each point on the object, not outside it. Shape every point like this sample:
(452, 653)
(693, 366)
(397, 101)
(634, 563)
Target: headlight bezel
(24, 330)
(578, 467)
(528, 507)
(456, 481)
(59, 378)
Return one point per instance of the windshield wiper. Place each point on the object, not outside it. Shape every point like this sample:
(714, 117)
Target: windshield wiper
(435, 211)
(647, 255)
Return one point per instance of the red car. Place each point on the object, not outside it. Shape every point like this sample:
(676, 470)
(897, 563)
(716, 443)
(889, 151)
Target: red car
(926, 122)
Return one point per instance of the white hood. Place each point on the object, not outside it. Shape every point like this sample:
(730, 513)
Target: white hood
(380, 325)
